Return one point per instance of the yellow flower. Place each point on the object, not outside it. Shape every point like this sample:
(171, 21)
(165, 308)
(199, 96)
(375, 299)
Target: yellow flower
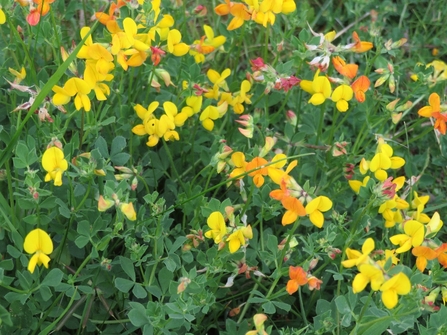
(320, 88)
(218, 228)
(384, 160)
(434, 225)
(397, 285)
(237, 239)
(74, 87)
(355, 257)
(315, 208)
(414, 236)
(2, 16)
(19, 76)
(356, 184)
(368, 274)
(175, 47)
(212, 113)
(54, 163)
(238, 160)
(342, 94)
(206, 44)
(39, 243)
(128, 210)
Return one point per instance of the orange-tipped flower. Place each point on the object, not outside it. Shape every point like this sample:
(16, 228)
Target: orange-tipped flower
(347, 70)
(298, 277)
(360, 46)
(360, 86)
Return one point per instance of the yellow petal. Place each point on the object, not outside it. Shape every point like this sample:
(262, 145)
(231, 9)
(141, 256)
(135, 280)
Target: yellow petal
(317, 218)
(380, 161)
(38, 240)
(397, 162)
(32, 263)
(359, 283)
(389, 299)
(368, 246)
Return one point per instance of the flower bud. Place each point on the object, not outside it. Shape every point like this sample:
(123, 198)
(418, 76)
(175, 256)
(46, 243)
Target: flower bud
(200, 11)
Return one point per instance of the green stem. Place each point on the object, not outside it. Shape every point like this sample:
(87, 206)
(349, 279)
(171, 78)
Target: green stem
(84, 263)
(303, 311)
(320, 125)
(51, 327)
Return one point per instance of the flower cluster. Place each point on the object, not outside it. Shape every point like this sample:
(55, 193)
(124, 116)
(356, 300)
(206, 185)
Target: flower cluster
(236, 234)
(291, 195)
(260, 11)
(320, 87)
(373, 272)
(104, 203)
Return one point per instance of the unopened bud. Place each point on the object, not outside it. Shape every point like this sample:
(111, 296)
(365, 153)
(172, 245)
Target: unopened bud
(200, 11)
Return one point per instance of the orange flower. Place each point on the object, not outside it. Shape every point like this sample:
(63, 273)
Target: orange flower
(360, 46)
(442, 256)
(314, 283)
(347, 70)
(257, 163)
(298, 277)
(434, 110)
(294, 209)
(238, 10)
(440, 123)
(434, 102)
(423, 254)
(360, 86)
(114, 7)
(42, 9)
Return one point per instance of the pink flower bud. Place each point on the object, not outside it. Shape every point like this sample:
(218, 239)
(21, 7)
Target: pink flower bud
(200, 11)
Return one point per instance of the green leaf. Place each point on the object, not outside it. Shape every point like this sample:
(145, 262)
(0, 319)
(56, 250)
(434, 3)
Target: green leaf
(139, 292)
(128, 267)
(48, 203)
(373, 326)
(137, 314)
(82, 241)
(120, 158)
(269, 308)
(13, 296)
(25, 279)
(101, 145)
(83, 228)
(282, 305)
(124, 285)
(63, 208)
(45, 292)
(108, 121)
(5, 317)
(13, 251)
(53, 278)
(155, 291)
(118, 144)
(177, 244)
(164, 277)
(272, 244)
(342, 305)
(170, 264)
(256, 300)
